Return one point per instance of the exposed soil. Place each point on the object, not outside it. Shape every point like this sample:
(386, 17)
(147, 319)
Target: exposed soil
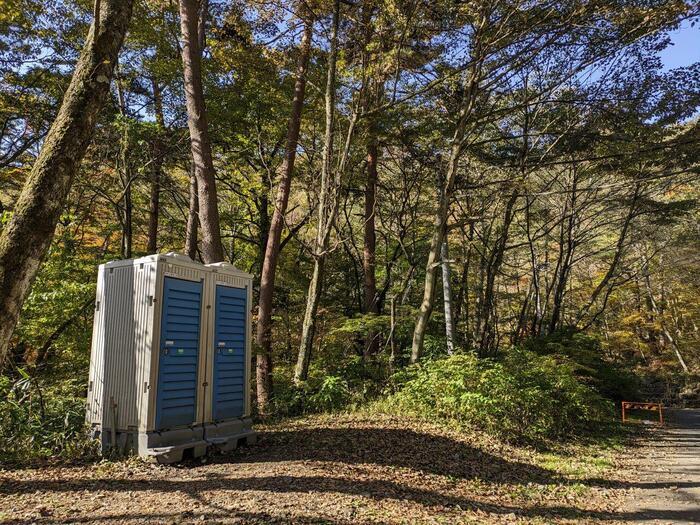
(340, 470)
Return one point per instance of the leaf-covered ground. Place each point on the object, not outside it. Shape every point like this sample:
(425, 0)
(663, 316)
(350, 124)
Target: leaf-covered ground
(340, 469)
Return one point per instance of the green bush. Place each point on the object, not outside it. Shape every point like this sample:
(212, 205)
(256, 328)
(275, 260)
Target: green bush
(607, 377)
(38, 422)
(318, 394)
(522, 397)
(334, 384)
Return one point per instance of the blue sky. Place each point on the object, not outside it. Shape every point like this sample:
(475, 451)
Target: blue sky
(686, 48)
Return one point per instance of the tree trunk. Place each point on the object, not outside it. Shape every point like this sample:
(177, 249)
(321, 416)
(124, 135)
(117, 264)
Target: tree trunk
(192, 216)
(659, 315)
(566, 253)
(536, 287)
(127, 233)
(212, 249)
(125, 174)
(327, 209)
(370, 245)
(157, 160)
(612, 269)
(263, 336)
(461, 310)
(26, 239)
(313, 298)
(439, 222)
(487, 336)
(447, 296)
(42, 354)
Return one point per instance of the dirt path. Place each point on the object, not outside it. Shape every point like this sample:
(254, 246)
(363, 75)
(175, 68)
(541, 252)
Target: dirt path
(332, 470)
(667, 488)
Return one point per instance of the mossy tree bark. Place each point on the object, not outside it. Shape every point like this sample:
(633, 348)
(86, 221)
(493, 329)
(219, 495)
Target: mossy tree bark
(26, 239)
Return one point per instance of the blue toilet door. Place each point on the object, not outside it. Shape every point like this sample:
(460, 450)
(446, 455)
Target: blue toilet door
(179, 353)
(229, 352)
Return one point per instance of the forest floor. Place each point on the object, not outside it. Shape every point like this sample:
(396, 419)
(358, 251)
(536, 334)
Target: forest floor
(354, 469)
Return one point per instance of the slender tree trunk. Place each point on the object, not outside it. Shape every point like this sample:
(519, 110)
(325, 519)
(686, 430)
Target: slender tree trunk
(440, 219)
(263, 205)
(370, 243)
(212, 249)
(157, 162)
(192, 216)
(536, 286)
(313, 298)
(659, 315)
(612, 269)
(127, 234)
(125, 174)
(461, 310)
(42, 354)
(392, 330)
(566, 252)
(263, 336)
(487, 336)
(327, 209)
(25, 240)
(447, 296)
(521, 327)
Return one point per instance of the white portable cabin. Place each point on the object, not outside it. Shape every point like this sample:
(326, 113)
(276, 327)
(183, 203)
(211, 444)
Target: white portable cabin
(159, 382)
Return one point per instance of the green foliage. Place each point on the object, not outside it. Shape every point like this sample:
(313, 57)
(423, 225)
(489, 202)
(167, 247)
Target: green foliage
(335, 383)
(522, 397)
(327, 394)
(609, 378)
(39, 422)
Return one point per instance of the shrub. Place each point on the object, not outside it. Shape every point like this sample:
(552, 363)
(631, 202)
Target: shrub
(38, 422)
(346, 382)
(608, 378)
(327, 394)
(522, 397)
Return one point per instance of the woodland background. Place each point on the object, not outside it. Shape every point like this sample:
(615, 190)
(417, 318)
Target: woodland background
(492, 206)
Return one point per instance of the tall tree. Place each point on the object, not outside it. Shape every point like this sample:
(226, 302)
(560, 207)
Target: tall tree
(328, 203)
(191, 28)
(157, 168)
(263, 337)
(470, 92)
(372, 100)
(371, 303)
(25, 240)
(126, 175)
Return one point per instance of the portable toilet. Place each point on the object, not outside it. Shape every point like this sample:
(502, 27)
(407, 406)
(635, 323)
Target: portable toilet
(170, 357)
(227, 412)
(148, 356)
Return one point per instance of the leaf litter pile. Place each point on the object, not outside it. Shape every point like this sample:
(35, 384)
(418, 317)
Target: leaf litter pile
(346, 469)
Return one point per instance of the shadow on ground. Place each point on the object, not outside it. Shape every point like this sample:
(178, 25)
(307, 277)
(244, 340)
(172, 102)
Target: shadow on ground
(385, 447)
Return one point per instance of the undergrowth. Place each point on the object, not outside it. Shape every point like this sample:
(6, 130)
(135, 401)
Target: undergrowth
(522, 397)
(42, 421)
